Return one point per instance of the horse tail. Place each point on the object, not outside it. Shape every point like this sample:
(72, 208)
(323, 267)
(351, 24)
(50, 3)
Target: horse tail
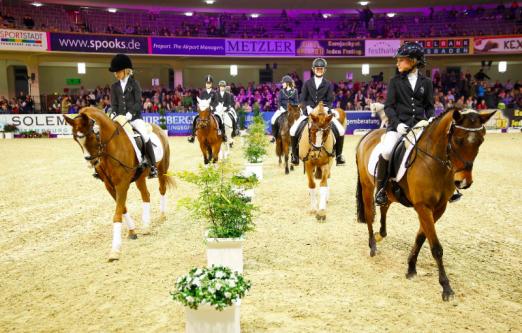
(318, 173)
(358, 194)
(169, 181)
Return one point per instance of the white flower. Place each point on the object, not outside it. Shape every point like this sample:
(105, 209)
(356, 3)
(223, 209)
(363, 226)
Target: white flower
(219, 274)
(218, 286)
(232, 283)
(211, 290)
(228, 295)
(190, 299)
(179, 279)
(196, 282)
(198, 272)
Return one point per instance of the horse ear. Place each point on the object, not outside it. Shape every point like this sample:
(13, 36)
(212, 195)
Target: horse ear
(314, 117)
(329, 118)
(457, 116)
(484, 116)
(68, 119)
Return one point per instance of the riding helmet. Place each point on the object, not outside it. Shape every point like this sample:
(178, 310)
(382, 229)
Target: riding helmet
(412, 50)
(222, 83)
(287, 79)
(120, 62)
(209, 79)
(319, 62)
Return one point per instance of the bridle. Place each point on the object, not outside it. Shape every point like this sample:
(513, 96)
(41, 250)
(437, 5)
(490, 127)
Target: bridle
(324, 132)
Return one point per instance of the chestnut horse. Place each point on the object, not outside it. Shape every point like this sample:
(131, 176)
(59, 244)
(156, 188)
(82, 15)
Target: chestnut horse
(112, 154)
(207, 132)
(285, 121)
(441, 160)
(316, 150)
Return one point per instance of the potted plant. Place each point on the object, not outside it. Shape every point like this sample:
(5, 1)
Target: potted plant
(163, 121)
(245, 185)
(227, 213)
(9, 130)
(255, 147)
(212, 297)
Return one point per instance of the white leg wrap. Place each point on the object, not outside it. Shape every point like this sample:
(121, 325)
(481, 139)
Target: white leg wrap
(327, 193)
(130, 222)
(116, 236)
(323, 193)
(313, 198)
(163, 204)
(145, 217)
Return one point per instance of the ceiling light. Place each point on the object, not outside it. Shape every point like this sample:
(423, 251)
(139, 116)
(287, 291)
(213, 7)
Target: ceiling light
(233, 70)
(255, 15)
(364, 3)
(502, 66)
(209, 2)
(326, 15)
(81, 68)
(391, 14)
(112, 10)
(189, 13)
(37, 4)
(365, 69)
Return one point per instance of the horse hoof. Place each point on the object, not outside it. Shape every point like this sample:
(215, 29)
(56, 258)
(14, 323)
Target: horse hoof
(321, 215)
(411, 275)
(114, 255)
(448, 295)
(287, 171)
(378, 237)
(145, 231)
(372, 252)
(163, 216)
(292, 167)
(132, 236)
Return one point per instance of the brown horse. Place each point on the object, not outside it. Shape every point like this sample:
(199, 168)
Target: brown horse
(316, 150)
(112, 154)
(441, 160)
(286, 120)
(207, 132)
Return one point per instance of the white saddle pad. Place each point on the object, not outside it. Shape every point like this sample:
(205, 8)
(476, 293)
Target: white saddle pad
(156, 143)
(374, 157)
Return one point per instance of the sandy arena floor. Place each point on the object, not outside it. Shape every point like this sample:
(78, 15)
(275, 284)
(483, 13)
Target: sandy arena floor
(307, 277)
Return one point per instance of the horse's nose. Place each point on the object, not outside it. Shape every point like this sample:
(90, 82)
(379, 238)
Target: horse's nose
(463, 184)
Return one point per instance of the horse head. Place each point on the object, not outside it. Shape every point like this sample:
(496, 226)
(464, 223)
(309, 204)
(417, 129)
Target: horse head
(465, 137)
(320, 125)
(204, 113)
(83, 133)
(294, 111)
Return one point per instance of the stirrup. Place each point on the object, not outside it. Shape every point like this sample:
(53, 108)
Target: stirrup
(381, 198)
(340, 160)
(191, 139)
(455, 197)
(153, 172)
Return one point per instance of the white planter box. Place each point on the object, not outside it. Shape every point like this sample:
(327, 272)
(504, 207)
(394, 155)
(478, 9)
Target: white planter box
(226, 252)
(9, 135)
(254, 169)
(207, 319)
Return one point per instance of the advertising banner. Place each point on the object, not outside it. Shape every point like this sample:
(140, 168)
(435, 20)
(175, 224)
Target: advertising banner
(19, 40)
(497, 45)
(381, 47)
(330, 48)
(54, 123)
(188, 46)
(358, 120)
(98, 43)
(260, 47)
(445, 46)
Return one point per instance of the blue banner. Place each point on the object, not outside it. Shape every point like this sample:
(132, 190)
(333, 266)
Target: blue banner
(181, 123)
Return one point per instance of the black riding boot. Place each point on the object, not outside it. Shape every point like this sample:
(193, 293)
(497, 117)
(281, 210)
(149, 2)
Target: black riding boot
(193, 136)
(339, 150)
(295, 143)
(150, 153)
(235, 130)
(275, 131)
(382, 178)
(222, 128)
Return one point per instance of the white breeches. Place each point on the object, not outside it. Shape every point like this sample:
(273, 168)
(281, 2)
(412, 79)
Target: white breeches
(390, 139)
(294, 127)
(141, 127)
(276, 115)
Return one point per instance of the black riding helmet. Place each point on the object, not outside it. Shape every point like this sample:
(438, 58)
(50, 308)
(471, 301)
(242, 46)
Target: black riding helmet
(412, 50)
(287, 79)
(209, 79)
(120, 62)
(319, 62)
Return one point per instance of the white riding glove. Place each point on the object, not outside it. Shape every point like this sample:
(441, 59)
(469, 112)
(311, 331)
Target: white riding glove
(128, 115)
(431, 119)
(281, 109)
(309, 109)
(402, 128)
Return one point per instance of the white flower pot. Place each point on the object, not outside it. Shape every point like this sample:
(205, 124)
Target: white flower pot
(254, 169)
(207, 319)
(226, 252)
(9, 135)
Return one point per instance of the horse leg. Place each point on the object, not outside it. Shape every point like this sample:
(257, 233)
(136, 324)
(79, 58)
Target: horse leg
(204, 150)
(427, 219)
(215, 153)
(382, 231)
(141, 183)
(285, 152)
(131, 226)
(419, 241)
(323, 193)
(369, 216)
(121, 198)
(311, 187)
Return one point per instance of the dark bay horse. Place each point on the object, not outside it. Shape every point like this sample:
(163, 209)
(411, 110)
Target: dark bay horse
(207, 132)
(114, 158)
(442, 160)
(316, 150)
(285, 121)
